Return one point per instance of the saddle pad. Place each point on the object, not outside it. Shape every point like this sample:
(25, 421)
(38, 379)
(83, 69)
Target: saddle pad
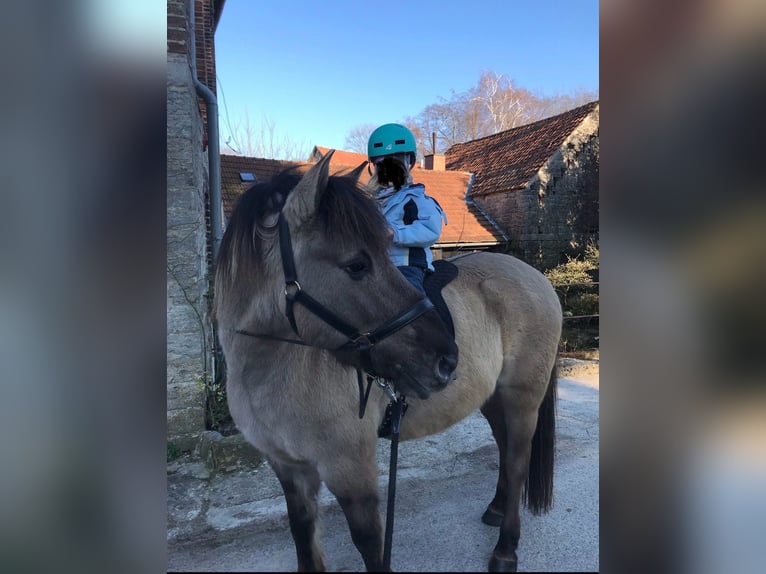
(444, 272)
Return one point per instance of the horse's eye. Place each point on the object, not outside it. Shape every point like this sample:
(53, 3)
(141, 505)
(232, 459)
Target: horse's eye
(357, 268)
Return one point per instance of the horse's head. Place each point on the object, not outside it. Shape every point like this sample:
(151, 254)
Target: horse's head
(309, 254)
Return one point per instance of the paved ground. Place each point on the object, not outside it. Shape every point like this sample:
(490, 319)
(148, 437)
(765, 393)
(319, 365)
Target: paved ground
(238, 521)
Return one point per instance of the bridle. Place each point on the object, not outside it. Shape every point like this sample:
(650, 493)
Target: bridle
(358, 341)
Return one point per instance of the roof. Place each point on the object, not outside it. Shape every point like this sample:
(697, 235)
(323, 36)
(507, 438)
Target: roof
(232, 185)
(466, 225)
(508, 160)
(340, 157)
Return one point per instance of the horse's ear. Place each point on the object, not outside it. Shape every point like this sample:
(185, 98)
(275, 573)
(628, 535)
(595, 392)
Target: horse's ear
(358, 171)
(304, 199)
(357, 175)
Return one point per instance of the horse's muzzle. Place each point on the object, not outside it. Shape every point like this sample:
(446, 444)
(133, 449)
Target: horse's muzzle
(444, 372)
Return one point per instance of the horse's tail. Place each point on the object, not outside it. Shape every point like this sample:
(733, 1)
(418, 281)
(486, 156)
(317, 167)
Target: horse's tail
(538, 489)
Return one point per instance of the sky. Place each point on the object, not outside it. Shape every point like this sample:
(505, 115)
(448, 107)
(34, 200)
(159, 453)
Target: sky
(316, 70)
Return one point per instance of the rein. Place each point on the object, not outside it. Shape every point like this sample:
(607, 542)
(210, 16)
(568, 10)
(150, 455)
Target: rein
(357, 341)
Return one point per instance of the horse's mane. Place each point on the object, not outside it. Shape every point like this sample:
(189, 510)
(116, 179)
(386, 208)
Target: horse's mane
(345, 213)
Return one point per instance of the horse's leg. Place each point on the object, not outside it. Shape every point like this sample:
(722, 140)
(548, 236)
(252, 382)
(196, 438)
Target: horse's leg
(528, 436)
(493, 411)
(355, 484)
(520, 427)
(300, 483)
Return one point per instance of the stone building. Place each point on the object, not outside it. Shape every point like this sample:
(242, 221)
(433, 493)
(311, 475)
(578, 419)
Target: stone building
(538, 183)
(190, 54)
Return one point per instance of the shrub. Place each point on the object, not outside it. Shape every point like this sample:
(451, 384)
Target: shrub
(574, 283)
(576, 270)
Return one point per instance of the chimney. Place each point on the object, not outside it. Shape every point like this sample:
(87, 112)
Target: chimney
(434, 161)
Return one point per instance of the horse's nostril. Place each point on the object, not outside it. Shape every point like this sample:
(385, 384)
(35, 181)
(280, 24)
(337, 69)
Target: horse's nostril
(445, 368)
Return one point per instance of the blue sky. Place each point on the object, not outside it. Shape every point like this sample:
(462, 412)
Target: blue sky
(316, 70)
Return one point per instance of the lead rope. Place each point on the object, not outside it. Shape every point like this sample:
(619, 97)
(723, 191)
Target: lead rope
(397, 410)
(396, 417)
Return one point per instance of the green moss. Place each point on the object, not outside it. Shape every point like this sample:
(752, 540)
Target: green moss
(173, 452)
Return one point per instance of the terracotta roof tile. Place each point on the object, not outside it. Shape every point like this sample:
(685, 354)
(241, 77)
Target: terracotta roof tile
(508, 160)
(232, 185)
(340, 157)
(466, 224)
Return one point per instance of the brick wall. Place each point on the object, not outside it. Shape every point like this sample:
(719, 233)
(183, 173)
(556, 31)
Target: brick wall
(205, 30)
(178, 36)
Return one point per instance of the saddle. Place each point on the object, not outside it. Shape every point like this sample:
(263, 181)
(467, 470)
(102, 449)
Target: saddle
(444, 272)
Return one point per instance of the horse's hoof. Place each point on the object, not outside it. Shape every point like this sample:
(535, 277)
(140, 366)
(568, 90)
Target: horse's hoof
(492, 517)
(503, 564)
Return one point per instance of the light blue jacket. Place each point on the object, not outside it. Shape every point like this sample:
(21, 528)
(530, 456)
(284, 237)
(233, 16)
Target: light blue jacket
(416, 219)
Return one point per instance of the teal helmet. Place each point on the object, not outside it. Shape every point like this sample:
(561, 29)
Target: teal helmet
(389, 139)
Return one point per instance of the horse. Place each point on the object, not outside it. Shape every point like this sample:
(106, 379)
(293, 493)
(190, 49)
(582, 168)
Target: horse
(306, 299)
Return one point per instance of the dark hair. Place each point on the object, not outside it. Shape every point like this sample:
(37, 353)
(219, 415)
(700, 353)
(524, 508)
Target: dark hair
(390, 171)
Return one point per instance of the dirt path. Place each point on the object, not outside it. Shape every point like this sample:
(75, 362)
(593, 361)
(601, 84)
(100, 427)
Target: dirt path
(584, 372)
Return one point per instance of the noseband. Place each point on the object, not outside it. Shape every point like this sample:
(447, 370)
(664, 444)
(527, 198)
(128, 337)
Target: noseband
(357, 341)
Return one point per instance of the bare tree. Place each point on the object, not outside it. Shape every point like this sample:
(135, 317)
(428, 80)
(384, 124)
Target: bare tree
(560, 103)
(504, 105)
(495, 104)
(445, 119)
(356, 139)
(263, 141)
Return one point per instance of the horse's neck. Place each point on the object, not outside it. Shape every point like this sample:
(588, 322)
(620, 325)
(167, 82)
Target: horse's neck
(263, 315)
(278, 360)
(299, 370)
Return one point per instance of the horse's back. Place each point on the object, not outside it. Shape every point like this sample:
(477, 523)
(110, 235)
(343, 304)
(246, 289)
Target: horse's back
(481, 266)
(507, 320)
(510, 305)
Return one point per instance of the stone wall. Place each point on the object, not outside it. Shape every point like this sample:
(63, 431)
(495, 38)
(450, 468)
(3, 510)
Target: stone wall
(188, 363)
(556, 213)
